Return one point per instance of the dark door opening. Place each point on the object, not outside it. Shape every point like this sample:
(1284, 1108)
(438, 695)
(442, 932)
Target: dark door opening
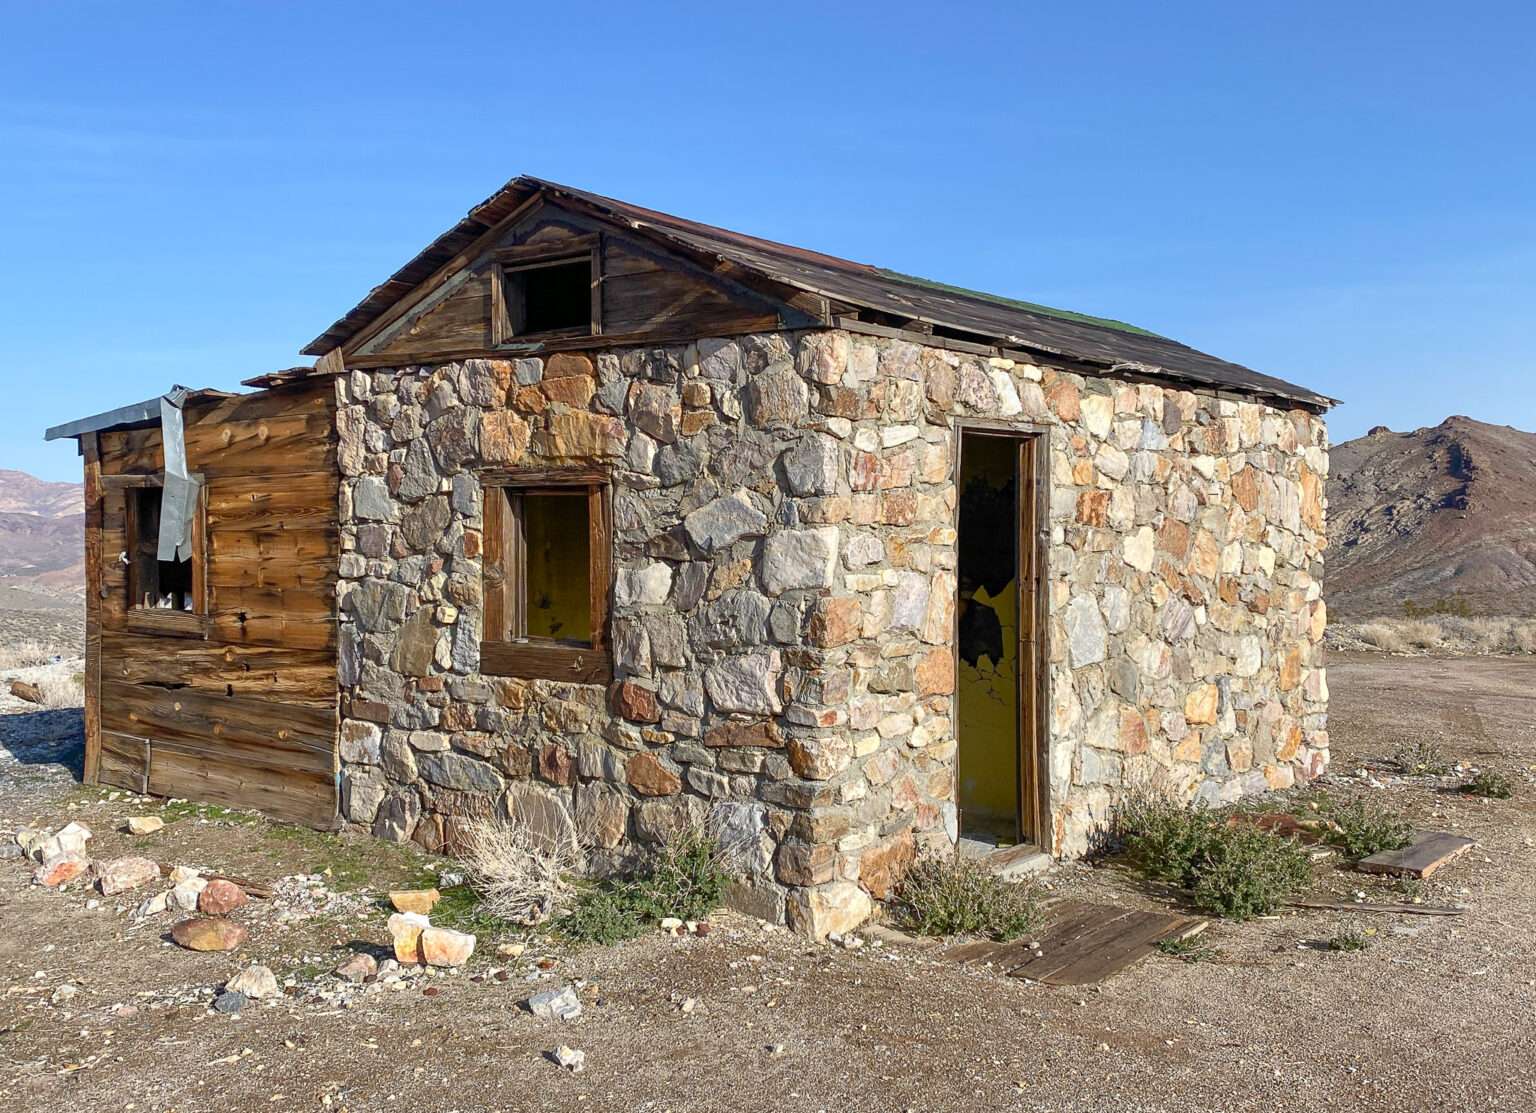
(996, 778)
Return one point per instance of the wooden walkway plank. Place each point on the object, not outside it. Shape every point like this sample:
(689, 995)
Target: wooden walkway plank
(1099, 941)
(1428, 851)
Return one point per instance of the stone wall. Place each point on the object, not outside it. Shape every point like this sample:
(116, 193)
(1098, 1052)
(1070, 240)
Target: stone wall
(783, 602)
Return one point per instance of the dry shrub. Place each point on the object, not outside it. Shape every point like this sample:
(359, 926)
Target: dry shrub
(1421, 633)
(1383, 636)
(25, 655)
(61, 687)
(520, 876)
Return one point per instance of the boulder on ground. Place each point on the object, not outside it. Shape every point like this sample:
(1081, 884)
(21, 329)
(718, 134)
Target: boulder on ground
(69, 839)
(184, 895)
(414, 900)
(60, 869)
(256, 982)
(121, 874)
(405, 930)
(446, 947)
(144, 824)
(359, 968)
(208, 933)
(556, 1004)
(220, 898)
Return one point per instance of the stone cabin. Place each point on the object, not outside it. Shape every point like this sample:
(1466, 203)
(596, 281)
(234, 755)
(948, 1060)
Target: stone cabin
(611, 522)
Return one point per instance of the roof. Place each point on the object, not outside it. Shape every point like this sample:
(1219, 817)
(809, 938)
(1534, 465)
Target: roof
(135, 415)
(1112, 345)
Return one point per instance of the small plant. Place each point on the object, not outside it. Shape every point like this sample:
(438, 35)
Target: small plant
(1163, 839)
(1192, 950)
(1230, 869)
(1489, 784)
(956, 896)
(464, 908)
(1421, 759)
(686, 880)
(1350, 940)
(604, 914)
(1245, 872)
(1361, 828)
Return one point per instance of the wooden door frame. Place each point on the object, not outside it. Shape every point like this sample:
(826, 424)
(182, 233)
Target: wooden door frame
(1032, 476)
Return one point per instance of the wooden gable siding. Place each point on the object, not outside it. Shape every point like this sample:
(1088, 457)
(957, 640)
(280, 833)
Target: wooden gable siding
(646, 294)
(246, 716)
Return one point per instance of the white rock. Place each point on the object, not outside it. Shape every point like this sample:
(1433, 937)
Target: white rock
(256, 982)
(556, 1004)
(570, 1058)
(144, 824)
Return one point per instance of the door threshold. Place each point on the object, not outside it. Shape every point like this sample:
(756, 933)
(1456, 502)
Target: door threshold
(1008, 862)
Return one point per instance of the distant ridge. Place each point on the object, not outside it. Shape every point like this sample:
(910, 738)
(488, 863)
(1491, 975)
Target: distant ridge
(41, 534)
(1442, 518)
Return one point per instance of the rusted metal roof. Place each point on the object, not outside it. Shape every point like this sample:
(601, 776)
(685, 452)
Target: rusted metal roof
(1112, 345)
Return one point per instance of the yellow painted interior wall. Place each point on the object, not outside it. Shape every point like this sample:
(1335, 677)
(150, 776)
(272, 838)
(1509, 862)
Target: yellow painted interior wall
(987, 710)
(989, 730)
(555, 531)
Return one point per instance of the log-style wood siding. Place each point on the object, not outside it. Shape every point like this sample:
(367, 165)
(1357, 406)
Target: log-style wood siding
(245, 715)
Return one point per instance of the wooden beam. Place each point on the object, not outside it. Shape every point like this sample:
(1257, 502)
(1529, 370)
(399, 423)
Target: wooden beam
(90, 444)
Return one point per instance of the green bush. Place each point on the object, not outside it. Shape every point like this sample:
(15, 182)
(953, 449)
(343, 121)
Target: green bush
(1495, 786)
(957, 896)
(687, 880)
(1362, 828)
(1349, 940)
(1245, 872)
(1230, 869)
(604, 914)
(1192, 950)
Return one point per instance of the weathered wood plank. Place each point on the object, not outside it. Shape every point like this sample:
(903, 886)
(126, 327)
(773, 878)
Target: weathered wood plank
(1428, 851)
(188, 715)
(91, 448)
(306, 501)
(279, 673)
(123, 761)
(1369, 906)
(535, 661)
(310, 800)
(1090, 942)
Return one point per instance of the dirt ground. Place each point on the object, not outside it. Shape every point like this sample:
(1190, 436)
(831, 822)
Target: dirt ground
(1436, 1014)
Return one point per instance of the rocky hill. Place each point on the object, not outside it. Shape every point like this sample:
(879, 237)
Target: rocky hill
(1442, 518)
(41, 540)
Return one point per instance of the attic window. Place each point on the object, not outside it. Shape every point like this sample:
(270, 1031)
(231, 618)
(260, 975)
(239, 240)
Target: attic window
(548, 293)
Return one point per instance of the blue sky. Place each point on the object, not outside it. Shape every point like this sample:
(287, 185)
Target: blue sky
(1339, 194)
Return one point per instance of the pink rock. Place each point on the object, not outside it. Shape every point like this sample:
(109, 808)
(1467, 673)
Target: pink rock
(121, 874)
(207, 933)
(61, 869)
(446, 947)
(220, 898)
(358, 968)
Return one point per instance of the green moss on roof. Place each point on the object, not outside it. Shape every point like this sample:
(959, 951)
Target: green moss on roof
(1013, 303)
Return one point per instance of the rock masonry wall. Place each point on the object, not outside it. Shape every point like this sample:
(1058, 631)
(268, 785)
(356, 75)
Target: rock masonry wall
(783, 603)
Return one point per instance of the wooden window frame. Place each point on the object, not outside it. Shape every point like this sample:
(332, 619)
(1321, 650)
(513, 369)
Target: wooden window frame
(154, 620)
(505, 648)
(512, 260)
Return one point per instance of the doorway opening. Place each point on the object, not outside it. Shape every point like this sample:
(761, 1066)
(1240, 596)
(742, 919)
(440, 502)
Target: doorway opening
(997, 782)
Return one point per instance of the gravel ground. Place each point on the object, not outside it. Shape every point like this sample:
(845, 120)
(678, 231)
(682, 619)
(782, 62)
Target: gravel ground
(1434, 1014)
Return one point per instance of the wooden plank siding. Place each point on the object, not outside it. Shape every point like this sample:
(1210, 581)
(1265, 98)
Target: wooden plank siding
(244, 712)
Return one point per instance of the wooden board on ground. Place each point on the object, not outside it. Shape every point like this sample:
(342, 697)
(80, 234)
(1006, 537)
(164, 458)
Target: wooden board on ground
(1428, 851)
(1082, 943)
(1368, 906)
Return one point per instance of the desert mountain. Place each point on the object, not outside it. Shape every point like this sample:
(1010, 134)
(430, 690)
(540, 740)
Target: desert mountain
(41, 534)
(1439, 517)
